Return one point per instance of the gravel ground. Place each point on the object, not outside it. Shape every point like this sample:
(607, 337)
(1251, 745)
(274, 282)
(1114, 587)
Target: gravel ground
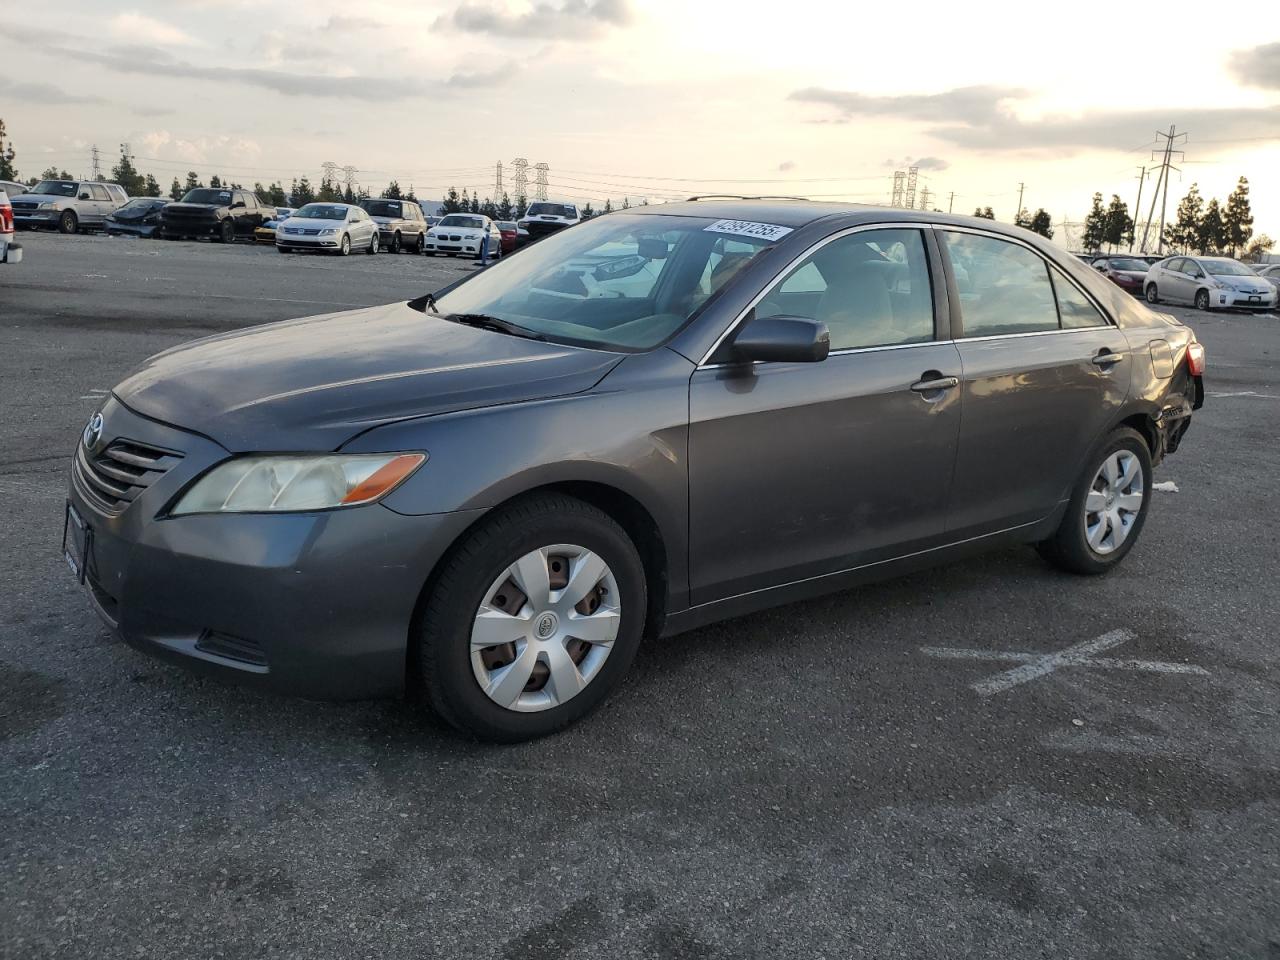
(808, 782)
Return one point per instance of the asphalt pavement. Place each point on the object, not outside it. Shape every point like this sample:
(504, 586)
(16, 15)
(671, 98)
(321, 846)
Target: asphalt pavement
(855, 776)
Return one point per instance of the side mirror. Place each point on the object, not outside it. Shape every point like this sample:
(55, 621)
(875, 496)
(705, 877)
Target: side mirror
(781, 339)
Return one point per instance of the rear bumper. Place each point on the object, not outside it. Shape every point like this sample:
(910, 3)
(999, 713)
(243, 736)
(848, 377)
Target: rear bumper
(10, 252)
(318, 605)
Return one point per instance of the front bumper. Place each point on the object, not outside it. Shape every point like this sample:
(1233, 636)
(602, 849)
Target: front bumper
(308, 243)
(1231, 299)
(190, 228)
(264, 234)
(312, 604)
(443, 246)
(36, 218)
(116, 228)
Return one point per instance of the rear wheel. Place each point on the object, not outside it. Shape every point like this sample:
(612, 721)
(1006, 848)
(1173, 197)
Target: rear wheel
(1202, 299)
(226, 232)
(533, 620)
(1153, 294)
(421, 244)
(1107, 509)
(395, 244)
(68, 222)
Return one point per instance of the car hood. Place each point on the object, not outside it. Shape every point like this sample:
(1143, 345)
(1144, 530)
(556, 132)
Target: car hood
(130, 216)
(313, 384)
(194, 208)
(311, 223)
(1242, 283)
(460, 231)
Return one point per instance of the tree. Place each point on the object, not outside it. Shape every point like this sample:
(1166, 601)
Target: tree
(608, 206)
(987, 214)
(150, 186)
(393, 191)
(348, 194)
(505, 210)
(1095, 226)
(588, 211)
(1212, 235)
(1041, 223)
(302, 193)
(411, 196)
(1239, 217)
(272, 196)
(490, 209)
(474, 206)
(328, 193)
(127, 175)
(215, 182)
(522, 206)
(53, 173)
(7, 155)
(1184, 232)
(193, 182)
(175, 190)
(626, 203)
(452, 203)
(1023, 219)
(1118, 227)
(1261, 244)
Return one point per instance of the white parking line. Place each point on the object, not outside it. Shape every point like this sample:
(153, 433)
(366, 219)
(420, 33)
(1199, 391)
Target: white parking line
(1032, 666)
(1251, 394)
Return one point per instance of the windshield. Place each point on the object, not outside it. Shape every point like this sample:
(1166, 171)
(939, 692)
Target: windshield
(55, 188)
(142, 203)
(322, 211)
(219, 197)
(551, 210)
(382, 208)
(454, 220)
(1226, 268)
(623, 282)
(506, 225)
(1127, 263)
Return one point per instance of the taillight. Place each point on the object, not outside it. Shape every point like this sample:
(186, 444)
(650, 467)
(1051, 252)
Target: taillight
(1195, 358)
(6, 219)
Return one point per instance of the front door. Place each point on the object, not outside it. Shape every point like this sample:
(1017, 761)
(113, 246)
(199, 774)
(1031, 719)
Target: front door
(802, 469)
(1044, 374)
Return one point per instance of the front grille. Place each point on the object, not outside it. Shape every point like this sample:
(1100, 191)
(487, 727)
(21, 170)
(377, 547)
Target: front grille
(232, 648)
(25, 204)
(115, 477)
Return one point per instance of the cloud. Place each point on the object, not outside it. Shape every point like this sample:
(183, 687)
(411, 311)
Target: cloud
(487, 78)
(932, 163)
(786, 165)
(341, 24)
(135, 27)
(570, 20)
(208, 152)
(1259, 67)
(43, 93)
(982, 118)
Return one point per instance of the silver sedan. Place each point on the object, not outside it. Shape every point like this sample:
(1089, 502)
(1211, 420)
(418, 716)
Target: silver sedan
(332, 227)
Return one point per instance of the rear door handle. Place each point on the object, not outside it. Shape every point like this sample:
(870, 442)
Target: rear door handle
(934, 384)
(1107, 359)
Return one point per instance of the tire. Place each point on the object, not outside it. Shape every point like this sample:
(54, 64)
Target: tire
(471, 574)
(1153, 294)
(395, 244)
(226, 232)
(421, 245)
(344, 248)
(375, 244)
(1202, 299)
(68, 222)
(1070, 547)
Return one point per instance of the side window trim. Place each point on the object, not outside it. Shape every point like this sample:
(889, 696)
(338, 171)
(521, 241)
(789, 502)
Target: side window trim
(957, 325)
(924, 229)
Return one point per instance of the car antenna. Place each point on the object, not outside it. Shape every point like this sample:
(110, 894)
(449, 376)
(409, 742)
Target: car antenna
(425, 302)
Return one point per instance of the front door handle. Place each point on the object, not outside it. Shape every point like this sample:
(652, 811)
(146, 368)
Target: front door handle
(1105, 359)
(933, 382)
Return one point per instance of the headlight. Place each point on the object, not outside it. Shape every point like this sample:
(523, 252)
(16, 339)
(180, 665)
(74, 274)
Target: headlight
(279, 484)
(432, 234)
(45, 205)
(328, 231)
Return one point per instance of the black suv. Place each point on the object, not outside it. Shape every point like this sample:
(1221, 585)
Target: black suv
(222, 214)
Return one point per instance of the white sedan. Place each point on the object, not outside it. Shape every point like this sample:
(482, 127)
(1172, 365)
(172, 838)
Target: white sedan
(461, 233)
(331, 227)
(1210, 283)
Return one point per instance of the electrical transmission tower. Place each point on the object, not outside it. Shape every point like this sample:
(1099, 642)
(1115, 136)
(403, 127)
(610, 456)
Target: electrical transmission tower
(328, 172)
(96, 161)
(913, 174)
(540, 186)
(521, 177)
(349, 177)
(1162, 183)
(899, 182)
(925, 197)
(497, 183)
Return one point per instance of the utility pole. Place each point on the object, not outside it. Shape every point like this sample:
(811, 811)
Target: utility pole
(1137, 207)
(951, 201)
(1021, 187)
(96, 160)
(328, 172)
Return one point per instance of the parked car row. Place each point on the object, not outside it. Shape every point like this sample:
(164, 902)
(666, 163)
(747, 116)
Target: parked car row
(67, 205)
(1208, 283)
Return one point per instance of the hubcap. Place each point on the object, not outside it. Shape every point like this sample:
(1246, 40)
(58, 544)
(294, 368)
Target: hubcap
(1113, 502)
(545, 628)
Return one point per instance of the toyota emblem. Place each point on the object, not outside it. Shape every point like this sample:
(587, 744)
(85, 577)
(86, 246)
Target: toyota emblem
(93, 431)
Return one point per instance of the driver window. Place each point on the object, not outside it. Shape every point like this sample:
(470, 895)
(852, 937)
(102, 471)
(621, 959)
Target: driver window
(870, 288)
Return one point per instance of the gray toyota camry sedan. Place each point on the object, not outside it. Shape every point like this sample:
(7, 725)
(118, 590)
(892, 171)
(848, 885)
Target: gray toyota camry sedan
(487, 497)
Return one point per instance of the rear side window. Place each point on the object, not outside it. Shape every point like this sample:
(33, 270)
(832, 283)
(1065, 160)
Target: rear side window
(1004, 288)
(870, 288)
(1077, 310)
(99, 193)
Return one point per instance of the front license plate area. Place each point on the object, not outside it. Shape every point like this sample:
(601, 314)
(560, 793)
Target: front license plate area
(76, 539)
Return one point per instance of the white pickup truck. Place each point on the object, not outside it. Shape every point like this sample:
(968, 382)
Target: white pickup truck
(10, 252)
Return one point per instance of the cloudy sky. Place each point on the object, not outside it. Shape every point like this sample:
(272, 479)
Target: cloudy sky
(654, 98)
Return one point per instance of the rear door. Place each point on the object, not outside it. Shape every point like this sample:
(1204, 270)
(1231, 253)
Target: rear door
(98, 207)
(1044, 372)
(798, 470)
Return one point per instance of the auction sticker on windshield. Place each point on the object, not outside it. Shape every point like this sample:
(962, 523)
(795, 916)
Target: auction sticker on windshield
(749, 228)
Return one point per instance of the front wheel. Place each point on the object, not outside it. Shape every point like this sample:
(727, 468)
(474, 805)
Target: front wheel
(374, 244)
(344, 247)
(1107, 509)
(533, 620)
(226, 232)
(68, 222)
(1202, 299)
(1153, 294)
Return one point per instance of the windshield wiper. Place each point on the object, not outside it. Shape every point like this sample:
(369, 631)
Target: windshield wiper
(485, 322)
